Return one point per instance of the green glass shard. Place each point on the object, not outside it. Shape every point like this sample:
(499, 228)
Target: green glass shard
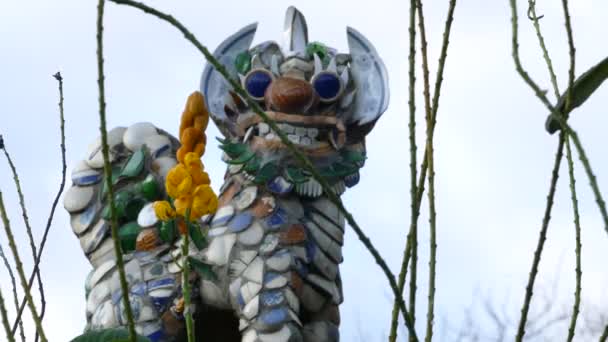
(242, 62)
(295, 175)
(148, 188)
(252, 165)
(134, 165)
(233, 150)
(342, 169)
(127, 234)
(316, 48)
(243, 158)
(204, 270)
(133, 207)
(353, 157)
(266, 173)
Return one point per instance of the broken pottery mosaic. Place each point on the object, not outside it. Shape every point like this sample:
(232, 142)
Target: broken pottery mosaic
(275, 243)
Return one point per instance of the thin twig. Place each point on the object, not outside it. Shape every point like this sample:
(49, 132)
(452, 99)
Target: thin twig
(11, 274)
(413, 233)
(557, 116)
(424, 166)
(431, 167)
(572, 53)
(541, 41)
(541, 241)
(28, 229)
(578, 247)
(4, 315)
(108, 175)
(49, 221)
(20, 272)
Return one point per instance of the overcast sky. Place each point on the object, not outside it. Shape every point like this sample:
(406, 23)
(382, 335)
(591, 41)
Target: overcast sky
(493, 157)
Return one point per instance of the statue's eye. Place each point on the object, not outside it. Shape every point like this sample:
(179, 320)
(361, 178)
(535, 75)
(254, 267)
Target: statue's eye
(327, 85)
(256, 82)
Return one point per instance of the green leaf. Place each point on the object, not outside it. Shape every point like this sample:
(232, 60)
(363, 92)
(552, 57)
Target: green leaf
(168, 231)
(243, 158)
(204, 270)
(582, 89)
(108, 335)
(197, 235)
(266, 173)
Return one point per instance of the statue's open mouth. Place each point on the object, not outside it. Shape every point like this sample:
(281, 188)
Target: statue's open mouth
(315, 134)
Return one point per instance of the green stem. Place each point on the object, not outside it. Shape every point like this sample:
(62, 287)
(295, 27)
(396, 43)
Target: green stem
(431, 193)
(571, 52)
(20, 272)
(14, 288)
(4, 314)
(49, 221)
(302, 159)
(541, 241)
(424, 166)
(543, 46)
(108, 175)
(28, 229)
(412, 137)
(556, 115)
(186, 281)
(577, 226)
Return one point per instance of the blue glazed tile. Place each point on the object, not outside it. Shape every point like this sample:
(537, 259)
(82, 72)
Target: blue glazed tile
(272, 298)
(274, 317)
(161, 303)
(277, 219)
(240, 300)
(352, 180)
(279, 186)
(116, 296)
(139, 289)
(301, 268)
(161, 150)
(87, 179)
(157, 336)
(160, 283)
(240, 222)
(270, 276)
(311, 250)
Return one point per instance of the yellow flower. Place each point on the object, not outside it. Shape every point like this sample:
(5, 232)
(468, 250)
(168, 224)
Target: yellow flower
(163, 210)
(178, 182)
(204, 201)
(182, 204)
(196, 168)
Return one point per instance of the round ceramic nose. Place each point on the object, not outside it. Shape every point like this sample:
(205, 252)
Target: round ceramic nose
(289, 95)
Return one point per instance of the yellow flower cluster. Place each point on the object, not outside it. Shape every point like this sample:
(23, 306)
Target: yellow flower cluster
(187, 182)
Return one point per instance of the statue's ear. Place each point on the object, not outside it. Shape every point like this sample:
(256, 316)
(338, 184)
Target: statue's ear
(370, 78)
(213, 86)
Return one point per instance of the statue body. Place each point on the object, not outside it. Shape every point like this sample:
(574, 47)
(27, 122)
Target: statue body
(275, 242)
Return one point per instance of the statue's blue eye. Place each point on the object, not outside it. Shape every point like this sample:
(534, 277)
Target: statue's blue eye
(257, 82)
(327, 85)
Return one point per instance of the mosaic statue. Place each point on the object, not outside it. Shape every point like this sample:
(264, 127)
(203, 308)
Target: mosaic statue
(265, 265)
